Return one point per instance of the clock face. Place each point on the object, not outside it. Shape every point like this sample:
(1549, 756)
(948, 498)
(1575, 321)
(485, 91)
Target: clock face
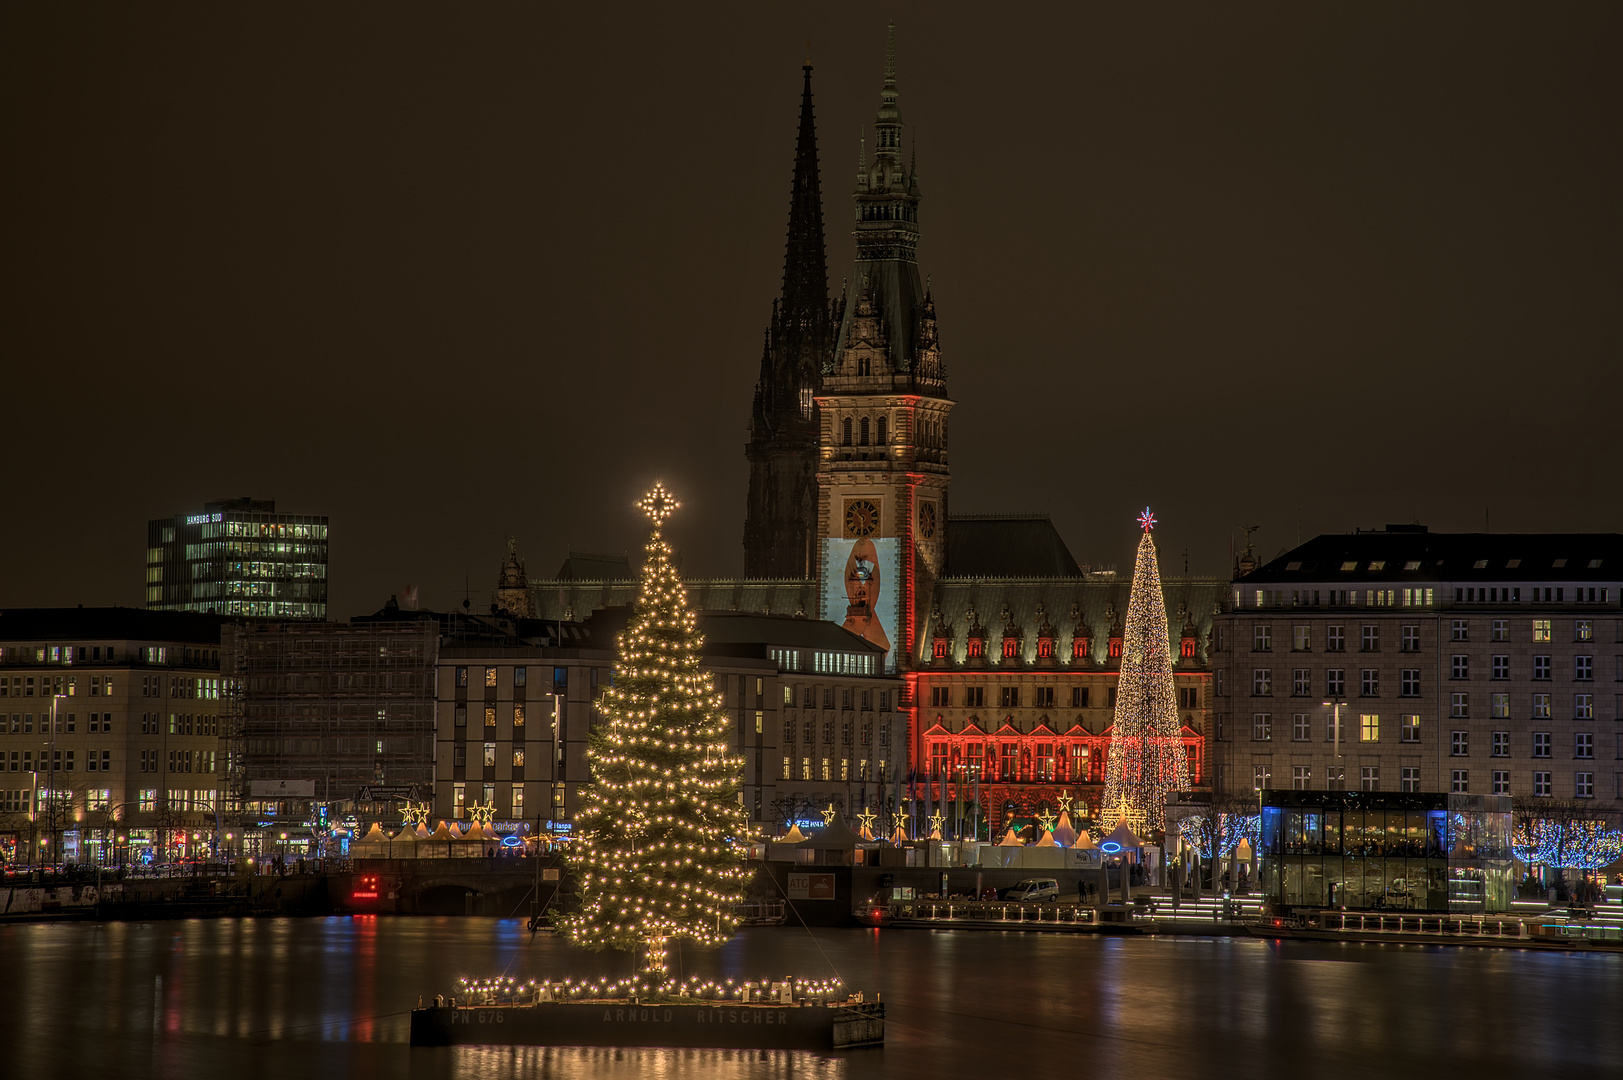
(861, 517)
(927, 520)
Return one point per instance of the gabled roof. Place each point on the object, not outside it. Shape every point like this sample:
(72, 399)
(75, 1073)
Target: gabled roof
(1007, 546)
(1407, 553)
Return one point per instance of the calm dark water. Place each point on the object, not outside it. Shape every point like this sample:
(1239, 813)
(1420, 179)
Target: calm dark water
(302, 999)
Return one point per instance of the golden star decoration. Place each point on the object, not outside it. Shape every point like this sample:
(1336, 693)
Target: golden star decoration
(867, 819)
(658, 504)
(898, 821)
(481, 813)
(937, 821)
(1046, 819)
(1065, 802)
(828, 815)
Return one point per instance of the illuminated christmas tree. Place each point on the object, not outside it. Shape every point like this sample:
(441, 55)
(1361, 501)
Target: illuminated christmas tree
(1147, 759)
(659, 854)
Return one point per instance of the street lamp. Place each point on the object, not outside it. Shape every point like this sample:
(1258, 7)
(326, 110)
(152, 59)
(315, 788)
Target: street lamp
(1336, 701)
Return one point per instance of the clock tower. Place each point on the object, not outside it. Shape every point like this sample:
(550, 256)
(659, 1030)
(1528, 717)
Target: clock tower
(882, 463)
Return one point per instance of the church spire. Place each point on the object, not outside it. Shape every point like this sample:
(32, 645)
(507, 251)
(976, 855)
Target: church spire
(780, 519)
(805, 261)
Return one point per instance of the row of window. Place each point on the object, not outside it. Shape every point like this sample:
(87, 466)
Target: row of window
(521, 677)
(1044, 697)
(459, 756)
(875, 431)
(1262, 635)
(843, 768)
(1583, 744)
(1367, 728)
(459, 716)
(1421, 596)
(866, 700)
(809, 729)
(1409, 683)
(1583, 783)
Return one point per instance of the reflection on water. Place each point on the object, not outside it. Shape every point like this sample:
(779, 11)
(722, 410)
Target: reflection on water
(305, 999)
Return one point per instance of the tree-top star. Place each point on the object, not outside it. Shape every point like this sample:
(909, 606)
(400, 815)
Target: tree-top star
(658, 504)
(1147, 519)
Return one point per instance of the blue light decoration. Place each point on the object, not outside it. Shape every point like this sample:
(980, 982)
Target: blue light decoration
(1110, 847)
(1580, 845)
(1220, 841)
(1146, 520)
(512, 841)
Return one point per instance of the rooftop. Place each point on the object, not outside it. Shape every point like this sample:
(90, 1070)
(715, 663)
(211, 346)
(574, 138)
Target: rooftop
(1007, 546)
(1404, 553)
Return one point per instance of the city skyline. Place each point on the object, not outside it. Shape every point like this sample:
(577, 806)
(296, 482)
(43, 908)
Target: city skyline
(383, 274)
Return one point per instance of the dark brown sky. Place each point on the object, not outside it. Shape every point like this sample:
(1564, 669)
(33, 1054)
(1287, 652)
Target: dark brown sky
(453, 271)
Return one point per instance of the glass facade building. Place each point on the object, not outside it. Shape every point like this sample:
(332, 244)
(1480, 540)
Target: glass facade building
(239, 557)
(1373, 851)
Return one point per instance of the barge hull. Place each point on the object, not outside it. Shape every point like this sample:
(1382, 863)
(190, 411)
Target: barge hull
(619, 1023)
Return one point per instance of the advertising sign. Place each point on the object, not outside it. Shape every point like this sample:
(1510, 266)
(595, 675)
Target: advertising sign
(811, 886)
(862, 590)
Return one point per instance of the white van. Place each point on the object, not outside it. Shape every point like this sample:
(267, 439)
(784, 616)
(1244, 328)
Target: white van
(1034, 889)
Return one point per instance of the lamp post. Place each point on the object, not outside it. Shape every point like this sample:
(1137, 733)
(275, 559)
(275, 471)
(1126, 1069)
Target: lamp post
(1336, 701)
(50, 786)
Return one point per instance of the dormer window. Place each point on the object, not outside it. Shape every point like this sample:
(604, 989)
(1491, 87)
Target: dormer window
(1045, 648)
(1081, 648)
(1187, 649)
(976, 648)
(1412, 564)
(942, 646)
(1011, 648)
(1377, 565)
(1115, 648)
(1349, 566)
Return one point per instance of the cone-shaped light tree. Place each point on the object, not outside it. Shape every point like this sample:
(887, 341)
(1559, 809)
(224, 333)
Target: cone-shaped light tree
(1147, 759)
(659, 853)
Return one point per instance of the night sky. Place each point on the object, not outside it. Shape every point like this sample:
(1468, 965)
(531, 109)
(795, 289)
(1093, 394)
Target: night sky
(454, 271)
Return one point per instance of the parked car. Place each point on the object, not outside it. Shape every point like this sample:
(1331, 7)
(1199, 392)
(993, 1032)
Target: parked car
(1034, 889)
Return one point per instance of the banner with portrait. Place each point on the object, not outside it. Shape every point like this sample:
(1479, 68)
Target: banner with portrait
(862, 590)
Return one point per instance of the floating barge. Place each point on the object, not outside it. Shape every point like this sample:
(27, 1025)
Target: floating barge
(724, 1025)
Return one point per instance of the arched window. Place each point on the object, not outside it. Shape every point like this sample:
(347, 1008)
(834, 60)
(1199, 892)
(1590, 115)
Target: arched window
(862, 437)
(1045, 648)
(1188, 649)
(977, 647)
(845, 428)
(941, 647)
(1011, 648)
(1081, 647)
(880, 437)
(1115, 648)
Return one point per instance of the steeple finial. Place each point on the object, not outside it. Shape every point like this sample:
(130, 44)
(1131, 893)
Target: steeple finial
(890, 57)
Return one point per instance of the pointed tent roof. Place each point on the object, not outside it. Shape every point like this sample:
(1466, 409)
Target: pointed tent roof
(1064, 834)
(836, 834)
(1010, 839)
(899, 837)
(443, 832)
(375, 835)
(1084, 841)
(1047, 840)
(1124, 836)
(793, 836)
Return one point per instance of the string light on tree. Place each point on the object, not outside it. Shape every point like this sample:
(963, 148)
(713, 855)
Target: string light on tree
(659, 852)
(1147, 760)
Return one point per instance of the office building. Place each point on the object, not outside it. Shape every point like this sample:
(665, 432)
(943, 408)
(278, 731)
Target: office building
(239, 557)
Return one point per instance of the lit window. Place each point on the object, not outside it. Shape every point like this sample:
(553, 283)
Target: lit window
(1369, 728)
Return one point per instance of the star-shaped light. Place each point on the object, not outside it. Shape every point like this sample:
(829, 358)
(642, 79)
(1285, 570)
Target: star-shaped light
(1065, 802)
(867, 819)
(658, 504)
(481, 814)
(828, 815)
(899, 821)
(1147, 519)
(937, 821)
(1046, 820)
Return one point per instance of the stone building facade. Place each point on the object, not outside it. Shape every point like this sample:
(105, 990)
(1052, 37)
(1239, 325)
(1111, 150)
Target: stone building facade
(1474, 663)
(133, 767)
